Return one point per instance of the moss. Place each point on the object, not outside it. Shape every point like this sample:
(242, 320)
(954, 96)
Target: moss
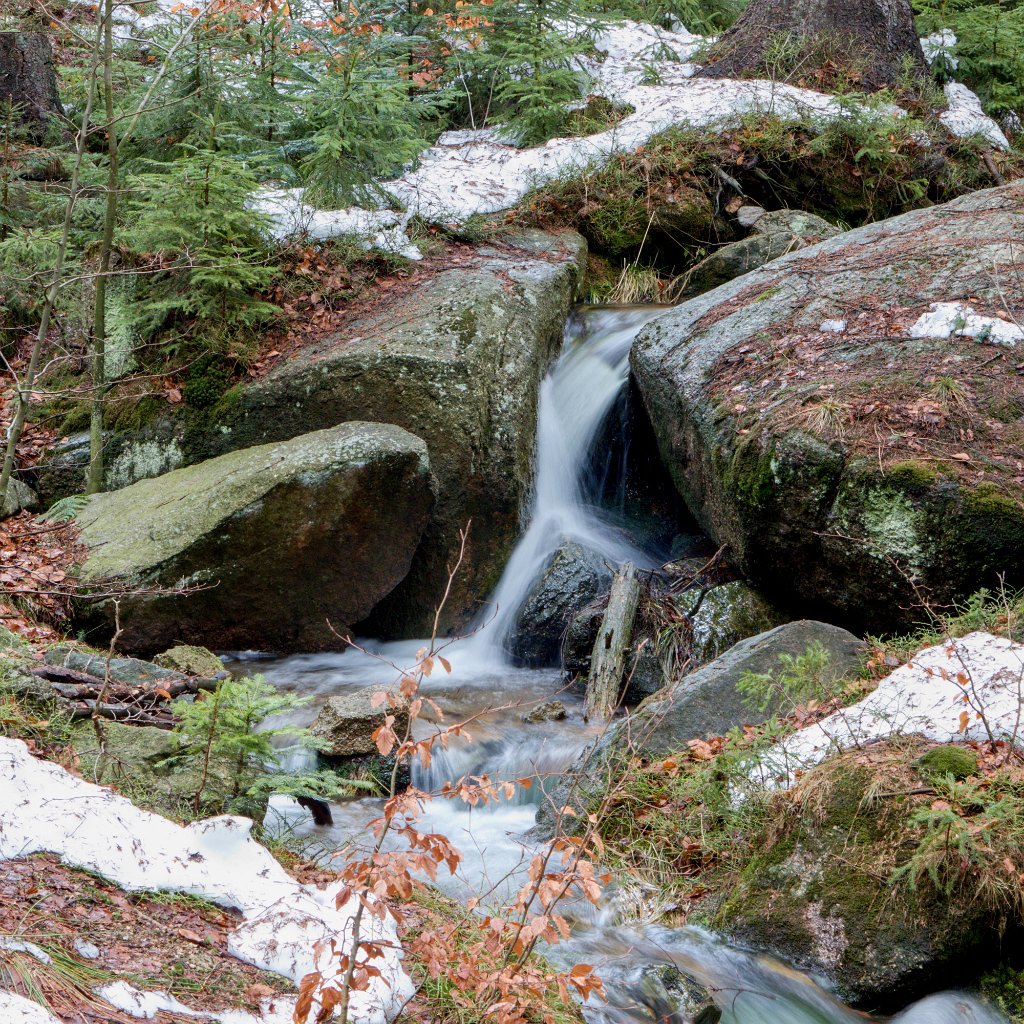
(988, 499)
(465, 326)
(208, 379)
(912, 475)
(130, 415)
(1005, 988)
(76, 419)
(948, 760)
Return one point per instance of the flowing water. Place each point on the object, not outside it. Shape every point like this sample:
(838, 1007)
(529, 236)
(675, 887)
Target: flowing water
(570, 502)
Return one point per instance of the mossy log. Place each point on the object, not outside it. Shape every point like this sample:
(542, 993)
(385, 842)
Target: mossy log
(608, 661)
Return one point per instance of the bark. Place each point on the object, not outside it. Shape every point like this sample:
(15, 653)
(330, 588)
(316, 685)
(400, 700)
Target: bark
(28, 81)
(871, 37)
(611, 648)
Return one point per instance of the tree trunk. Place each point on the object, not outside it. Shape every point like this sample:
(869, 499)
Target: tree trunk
(28, 81)
(608, 661)
(873, 39)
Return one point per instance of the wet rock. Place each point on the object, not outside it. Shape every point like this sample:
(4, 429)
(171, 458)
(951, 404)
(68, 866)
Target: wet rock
(191, 660)
(818, 891)
(280, 539)
(772, 235)
(788, 470)
(549, 711)
(672, 996)
(456, 359)
(345, 724)
(573, 577)
(728, 614)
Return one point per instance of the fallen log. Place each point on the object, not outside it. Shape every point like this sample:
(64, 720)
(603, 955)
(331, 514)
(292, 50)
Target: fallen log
(121, 713)
(75, 685)
(611, 648)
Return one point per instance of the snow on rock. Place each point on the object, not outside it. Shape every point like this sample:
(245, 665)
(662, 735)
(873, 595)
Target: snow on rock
(961, 689)
(965, 117)
(947, 318)
(19, 1010)
(43, 808)
(375, 229)
(145, 1005)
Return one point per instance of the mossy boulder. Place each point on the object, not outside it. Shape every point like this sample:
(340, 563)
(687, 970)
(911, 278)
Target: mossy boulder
(269, 547)
(819, 891)
(707, 702)
(456, 358)
(190, 660)
(849, 464)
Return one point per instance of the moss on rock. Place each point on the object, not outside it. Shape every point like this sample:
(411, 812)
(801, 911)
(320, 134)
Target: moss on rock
(820, 892)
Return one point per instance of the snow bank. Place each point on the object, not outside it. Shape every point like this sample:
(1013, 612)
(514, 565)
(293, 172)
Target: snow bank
(962, 689)
(43, 808)
(948, 318)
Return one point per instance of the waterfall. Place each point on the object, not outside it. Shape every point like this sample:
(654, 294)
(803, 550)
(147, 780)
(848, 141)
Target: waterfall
(575, 398)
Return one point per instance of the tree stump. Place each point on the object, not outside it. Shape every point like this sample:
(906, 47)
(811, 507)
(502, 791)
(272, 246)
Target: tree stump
(876, 38)
(611, 648)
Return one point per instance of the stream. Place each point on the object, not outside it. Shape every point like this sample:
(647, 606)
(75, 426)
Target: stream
(578, 495)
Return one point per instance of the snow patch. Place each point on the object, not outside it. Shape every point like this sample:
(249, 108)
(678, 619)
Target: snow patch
(43, 808)
(18, 1010)
(833, 327)
(945, 319)
(375, 229)
(939, 47)
(965, 117)
(980, 676)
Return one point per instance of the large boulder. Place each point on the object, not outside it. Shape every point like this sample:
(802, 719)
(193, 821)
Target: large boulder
(274, 542)
(573, 577)
(708, 702)
(704, 703)
(819, 890)
(854, 447)
(456, 358)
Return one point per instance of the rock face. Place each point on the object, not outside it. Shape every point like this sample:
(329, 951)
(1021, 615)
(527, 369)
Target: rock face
(456, 359)
(346, 724)
(572, 579)
(283, 537)
(773, 235)
(810, 424)
(819, 893)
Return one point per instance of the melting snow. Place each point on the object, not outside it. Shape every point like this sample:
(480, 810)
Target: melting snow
(43, 808)
(948, 318)
(957, 690)
(833, 327)
(939, 46)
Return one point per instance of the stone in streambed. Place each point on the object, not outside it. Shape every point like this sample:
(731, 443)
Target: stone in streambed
(346, 723)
